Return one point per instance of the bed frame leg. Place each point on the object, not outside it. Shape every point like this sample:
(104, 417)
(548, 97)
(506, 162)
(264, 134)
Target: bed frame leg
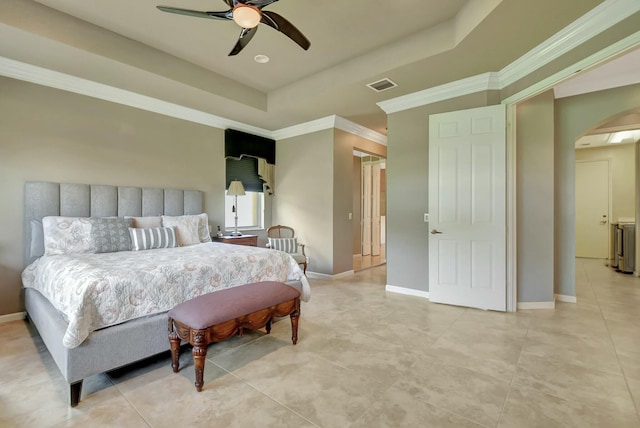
(75, 390)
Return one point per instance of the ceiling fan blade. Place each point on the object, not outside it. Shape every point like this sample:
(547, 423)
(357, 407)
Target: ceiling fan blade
(211, 15)
(245, 37)
(279, 23)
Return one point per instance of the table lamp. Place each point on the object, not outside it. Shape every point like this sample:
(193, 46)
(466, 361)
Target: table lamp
(235, 189)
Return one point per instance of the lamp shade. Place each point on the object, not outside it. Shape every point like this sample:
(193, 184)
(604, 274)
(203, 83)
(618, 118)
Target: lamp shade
(236, 188)
(246, 16)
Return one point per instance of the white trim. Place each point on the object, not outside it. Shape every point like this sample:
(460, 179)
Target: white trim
(316, 275)
(470, 85)
(54, 79)
(330, 122)
(593, 60)
(406, 291)
(12, 317)
(566, 299)
(602, 17)
(356, 129)
(512, 211)
(592, 23)
(537, 305)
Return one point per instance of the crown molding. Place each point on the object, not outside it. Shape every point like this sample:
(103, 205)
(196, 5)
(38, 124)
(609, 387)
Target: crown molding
(359, 130)
(602, 17)
(330, 122)
(470, 85)
(54, 79)
(599, 57)
(304, 128)
(597, 20)
(592, 23)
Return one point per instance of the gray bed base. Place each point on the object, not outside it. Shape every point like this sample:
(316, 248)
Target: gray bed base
(111, 347)
(103, 350)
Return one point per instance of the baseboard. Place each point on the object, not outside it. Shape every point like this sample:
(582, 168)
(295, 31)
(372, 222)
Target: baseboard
(316, 275)
(12, 317)
(566, 299)
(407, 291)
(537, 305)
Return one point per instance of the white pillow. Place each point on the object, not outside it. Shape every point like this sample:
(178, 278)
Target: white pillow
(66, 235)
(186, 228)
(203, 225)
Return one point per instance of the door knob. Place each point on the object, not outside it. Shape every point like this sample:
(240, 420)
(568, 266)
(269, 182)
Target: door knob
(434, 232)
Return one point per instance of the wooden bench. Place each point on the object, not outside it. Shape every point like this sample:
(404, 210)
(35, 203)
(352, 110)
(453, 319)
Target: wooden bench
(222, 314)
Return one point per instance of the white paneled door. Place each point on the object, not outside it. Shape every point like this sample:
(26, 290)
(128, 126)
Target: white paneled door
(592, 209)
(467, 208)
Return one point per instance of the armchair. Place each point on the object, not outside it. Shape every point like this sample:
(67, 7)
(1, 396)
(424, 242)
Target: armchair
(283, 238)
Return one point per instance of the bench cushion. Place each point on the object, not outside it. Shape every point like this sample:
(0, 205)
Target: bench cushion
(224, 305)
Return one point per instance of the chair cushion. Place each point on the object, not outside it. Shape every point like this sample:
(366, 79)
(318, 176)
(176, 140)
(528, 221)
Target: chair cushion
(288, 245)
(299, 258)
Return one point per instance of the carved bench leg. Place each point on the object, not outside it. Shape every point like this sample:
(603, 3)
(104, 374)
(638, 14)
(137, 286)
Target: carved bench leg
(199, 352)
(75, 389)
(268, 325)
(174, 341)
(295, 315)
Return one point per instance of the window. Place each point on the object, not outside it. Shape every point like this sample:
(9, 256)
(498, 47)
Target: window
(242, 151)
(250, 211)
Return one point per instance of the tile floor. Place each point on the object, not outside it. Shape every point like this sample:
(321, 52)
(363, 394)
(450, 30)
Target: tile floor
(367, 358)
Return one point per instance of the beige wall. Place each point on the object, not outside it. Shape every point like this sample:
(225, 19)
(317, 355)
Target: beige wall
(623, 166)
(534, 200)
(343, 146)
(304, 194)
(51, 135)
(314, 190)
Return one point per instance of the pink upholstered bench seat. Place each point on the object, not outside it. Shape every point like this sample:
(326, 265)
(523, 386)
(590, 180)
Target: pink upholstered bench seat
(217, 316)
(224, 305)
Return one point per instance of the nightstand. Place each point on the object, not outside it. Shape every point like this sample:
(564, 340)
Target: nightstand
(249, 240)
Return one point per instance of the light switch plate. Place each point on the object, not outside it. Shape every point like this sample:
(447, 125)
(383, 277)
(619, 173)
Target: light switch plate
(426, 217)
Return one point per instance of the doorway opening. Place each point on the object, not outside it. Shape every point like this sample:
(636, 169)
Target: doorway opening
(369, 203)
(607, 152)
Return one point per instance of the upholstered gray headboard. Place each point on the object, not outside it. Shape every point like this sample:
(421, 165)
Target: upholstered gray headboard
(43, 199)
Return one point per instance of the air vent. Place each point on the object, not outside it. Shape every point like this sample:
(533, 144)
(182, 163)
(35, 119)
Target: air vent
(382, 85)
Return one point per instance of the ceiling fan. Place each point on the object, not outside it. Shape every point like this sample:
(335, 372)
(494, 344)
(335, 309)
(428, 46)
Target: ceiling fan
(248, 14)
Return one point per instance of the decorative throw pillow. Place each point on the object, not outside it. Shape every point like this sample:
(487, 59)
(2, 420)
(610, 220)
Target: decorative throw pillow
(203, 227)
(111, 234)
(146, 222)
(288, 245)
(186, 228)
(66, 235)
(150, 238)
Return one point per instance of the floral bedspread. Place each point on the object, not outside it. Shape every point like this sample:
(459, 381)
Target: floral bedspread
(99, 290)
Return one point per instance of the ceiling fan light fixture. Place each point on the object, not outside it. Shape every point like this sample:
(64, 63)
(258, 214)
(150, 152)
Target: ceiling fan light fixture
(246, 16)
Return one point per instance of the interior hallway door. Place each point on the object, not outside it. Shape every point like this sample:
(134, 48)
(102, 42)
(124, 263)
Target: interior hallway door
(467, 208)
(592, 209)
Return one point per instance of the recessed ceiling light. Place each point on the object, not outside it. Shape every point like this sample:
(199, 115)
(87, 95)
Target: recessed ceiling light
(262, 59)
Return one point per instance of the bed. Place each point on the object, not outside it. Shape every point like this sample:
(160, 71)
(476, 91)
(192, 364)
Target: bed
(84, 342)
